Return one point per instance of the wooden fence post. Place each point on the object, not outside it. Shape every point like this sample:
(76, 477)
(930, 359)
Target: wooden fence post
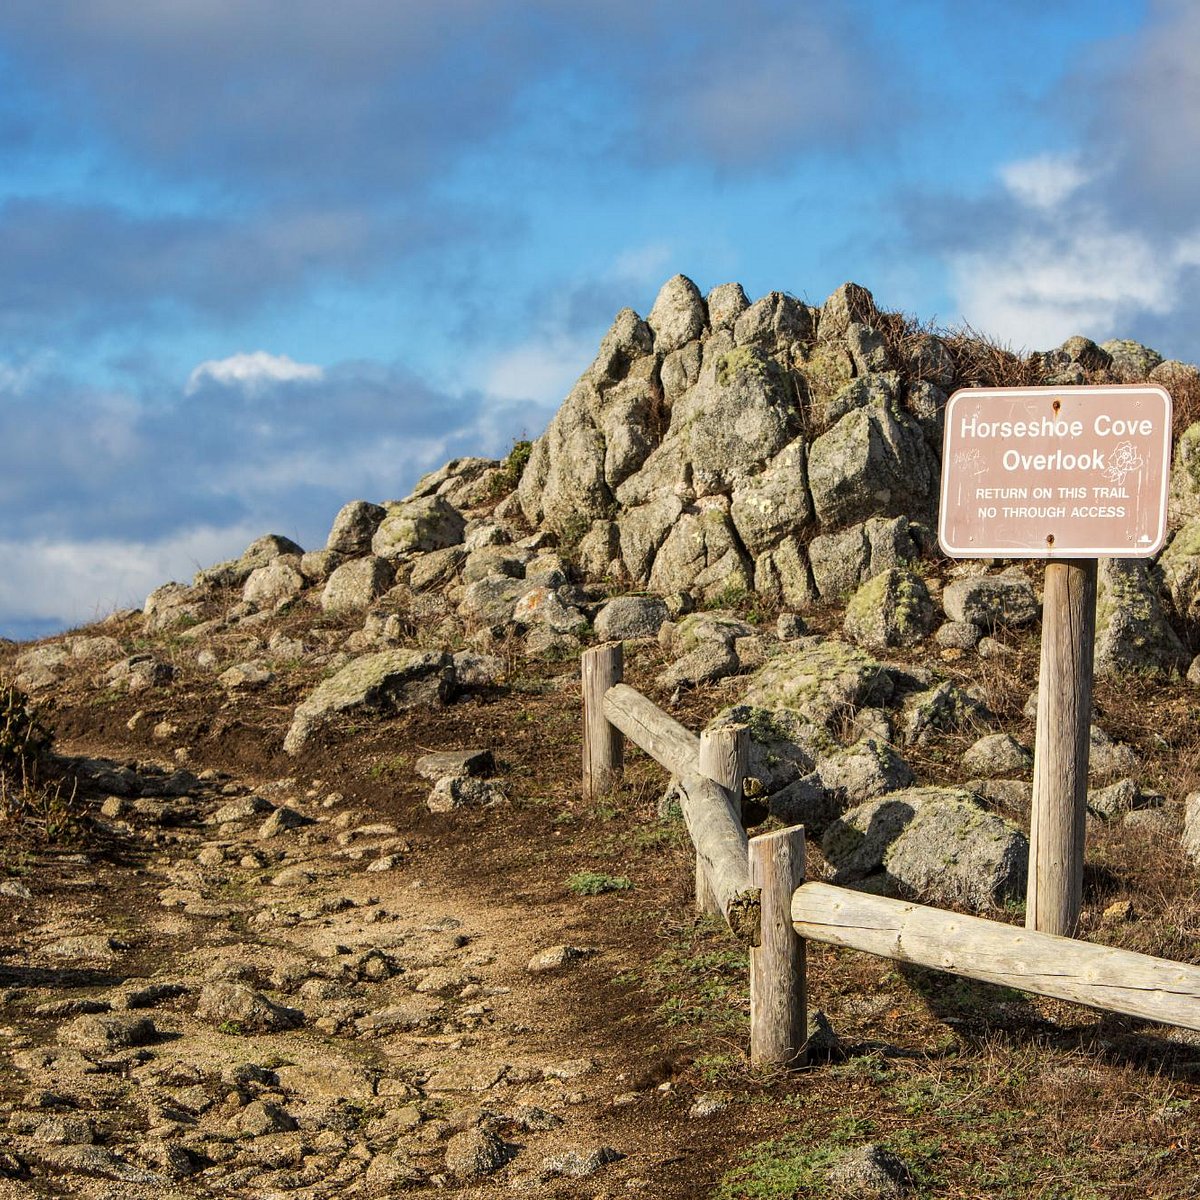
(778, 1009)
(603, 743)
(1054, 894)
(724, 755)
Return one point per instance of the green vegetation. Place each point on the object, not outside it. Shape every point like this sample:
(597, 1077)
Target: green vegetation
(803, 1163)
(511, 470)
(593, 883)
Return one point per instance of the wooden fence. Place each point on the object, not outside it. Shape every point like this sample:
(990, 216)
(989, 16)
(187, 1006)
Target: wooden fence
(758, 886)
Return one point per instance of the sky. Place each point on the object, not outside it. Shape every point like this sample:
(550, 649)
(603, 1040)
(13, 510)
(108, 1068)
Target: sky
(262, 257)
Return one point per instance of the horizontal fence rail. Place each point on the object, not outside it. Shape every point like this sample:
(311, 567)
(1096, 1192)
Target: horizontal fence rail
(757, 884)
(1137, 985)
(712, 822)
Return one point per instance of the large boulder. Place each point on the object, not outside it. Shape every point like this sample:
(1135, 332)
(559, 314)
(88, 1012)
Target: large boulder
(873, 462)
(602, 433)
(1132, 633)
(844, 560)
(992, 601)
(428, 523)
(678, 315)
(1131, 361)
(850, 305)
(892, 609)
(236, 571)
(725, 303)
(643, 529)
(821, 680)
(1185, 477)
(776, 323)
(742, 412)
(630, 617)
(774, 503)
(354, 527)
(385, 682)
(1179, 568)
(357, 584)
(280, 580)
(784, 745)
(783, 577)
(702, 554)
(935, 843)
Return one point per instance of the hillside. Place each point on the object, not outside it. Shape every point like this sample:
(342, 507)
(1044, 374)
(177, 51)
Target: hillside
(270, 931)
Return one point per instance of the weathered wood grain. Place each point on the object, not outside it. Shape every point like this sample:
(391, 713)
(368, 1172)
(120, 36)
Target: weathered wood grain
(603, 746)
(778, 1013)
(724, 754)
(1098, 976)
(1054, 893)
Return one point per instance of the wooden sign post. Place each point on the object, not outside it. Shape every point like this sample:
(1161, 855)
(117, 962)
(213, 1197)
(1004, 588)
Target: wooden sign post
(1068, 475)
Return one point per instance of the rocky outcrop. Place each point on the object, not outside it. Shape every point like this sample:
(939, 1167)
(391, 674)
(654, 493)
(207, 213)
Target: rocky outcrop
(695, 433)
(931, 842)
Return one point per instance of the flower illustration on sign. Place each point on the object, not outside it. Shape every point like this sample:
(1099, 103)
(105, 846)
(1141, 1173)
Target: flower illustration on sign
(1123, 459)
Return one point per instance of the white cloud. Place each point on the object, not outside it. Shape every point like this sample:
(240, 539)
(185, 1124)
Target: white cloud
(539, 370)
(1044, 181)
(253, 371)
(73, 582)
(1039, 288)
(1066, 264)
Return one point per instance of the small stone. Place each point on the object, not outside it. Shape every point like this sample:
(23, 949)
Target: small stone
(871, 1172)
(96, 1161)
(822, 1043)
(790, 626)
(556, 958)
(148, 996)
(108, 1032)
(14, 889)
(70, 1006)
(997, 754)
(957, 635)
(386, 862)
(261, 1117)
(573, 1068)
(578, 1164)
(990, 648)
(211, 856)
(245, 808)
(1120, 797)
(98, 947)
(464, 791)
(293, 877)
(173, 1160)
(707, 1105)
(475, 1153)
(392, 1020)
(243, 1009)
(64, 1131)
(246, 677)
(282, 820)
(536, 1120)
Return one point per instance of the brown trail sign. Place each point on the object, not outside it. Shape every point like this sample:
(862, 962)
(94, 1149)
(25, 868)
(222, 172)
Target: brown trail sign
(1067, 475)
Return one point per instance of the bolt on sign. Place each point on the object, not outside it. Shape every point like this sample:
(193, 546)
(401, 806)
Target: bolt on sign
(1039, 472)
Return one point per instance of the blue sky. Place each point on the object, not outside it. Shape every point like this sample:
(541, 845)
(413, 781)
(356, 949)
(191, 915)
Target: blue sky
(260, 258)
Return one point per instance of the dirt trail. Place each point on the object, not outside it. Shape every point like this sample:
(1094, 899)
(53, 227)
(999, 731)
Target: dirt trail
(262, 988)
